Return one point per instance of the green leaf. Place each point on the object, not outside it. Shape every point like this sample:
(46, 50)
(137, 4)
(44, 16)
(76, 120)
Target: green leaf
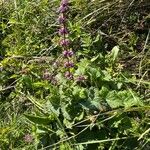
(82, 93)
(49, 108)
(27, 81)
(42, 84)
(82, 66)
(114, 53)
(64, 109)
(122, 99)
(94, 58)
(40, 120)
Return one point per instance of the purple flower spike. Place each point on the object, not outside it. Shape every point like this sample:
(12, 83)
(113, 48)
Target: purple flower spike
(61, 19)
(68, 64)
(64, 42)
(69, 75)
(63, 31)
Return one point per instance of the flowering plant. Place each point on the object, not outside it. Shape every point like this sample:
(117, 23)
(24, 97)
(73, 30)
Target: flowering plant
(64, 41)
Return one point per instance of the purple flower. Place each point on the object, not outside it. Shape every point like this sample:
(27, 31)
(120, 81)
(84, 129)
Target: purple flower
(61, 19)
(69, 75)
(63, 31)
(68, 53)
(65, 53)
(63, 9)
(68, 64)
(64, 42)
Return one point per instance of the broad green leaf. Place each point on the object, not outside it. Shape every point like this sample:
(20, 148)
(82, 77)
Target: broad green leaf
(125, 99)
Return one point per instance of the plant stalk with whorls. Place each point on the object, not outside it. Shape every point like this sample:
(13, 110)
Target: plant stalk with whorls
(64, 40)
